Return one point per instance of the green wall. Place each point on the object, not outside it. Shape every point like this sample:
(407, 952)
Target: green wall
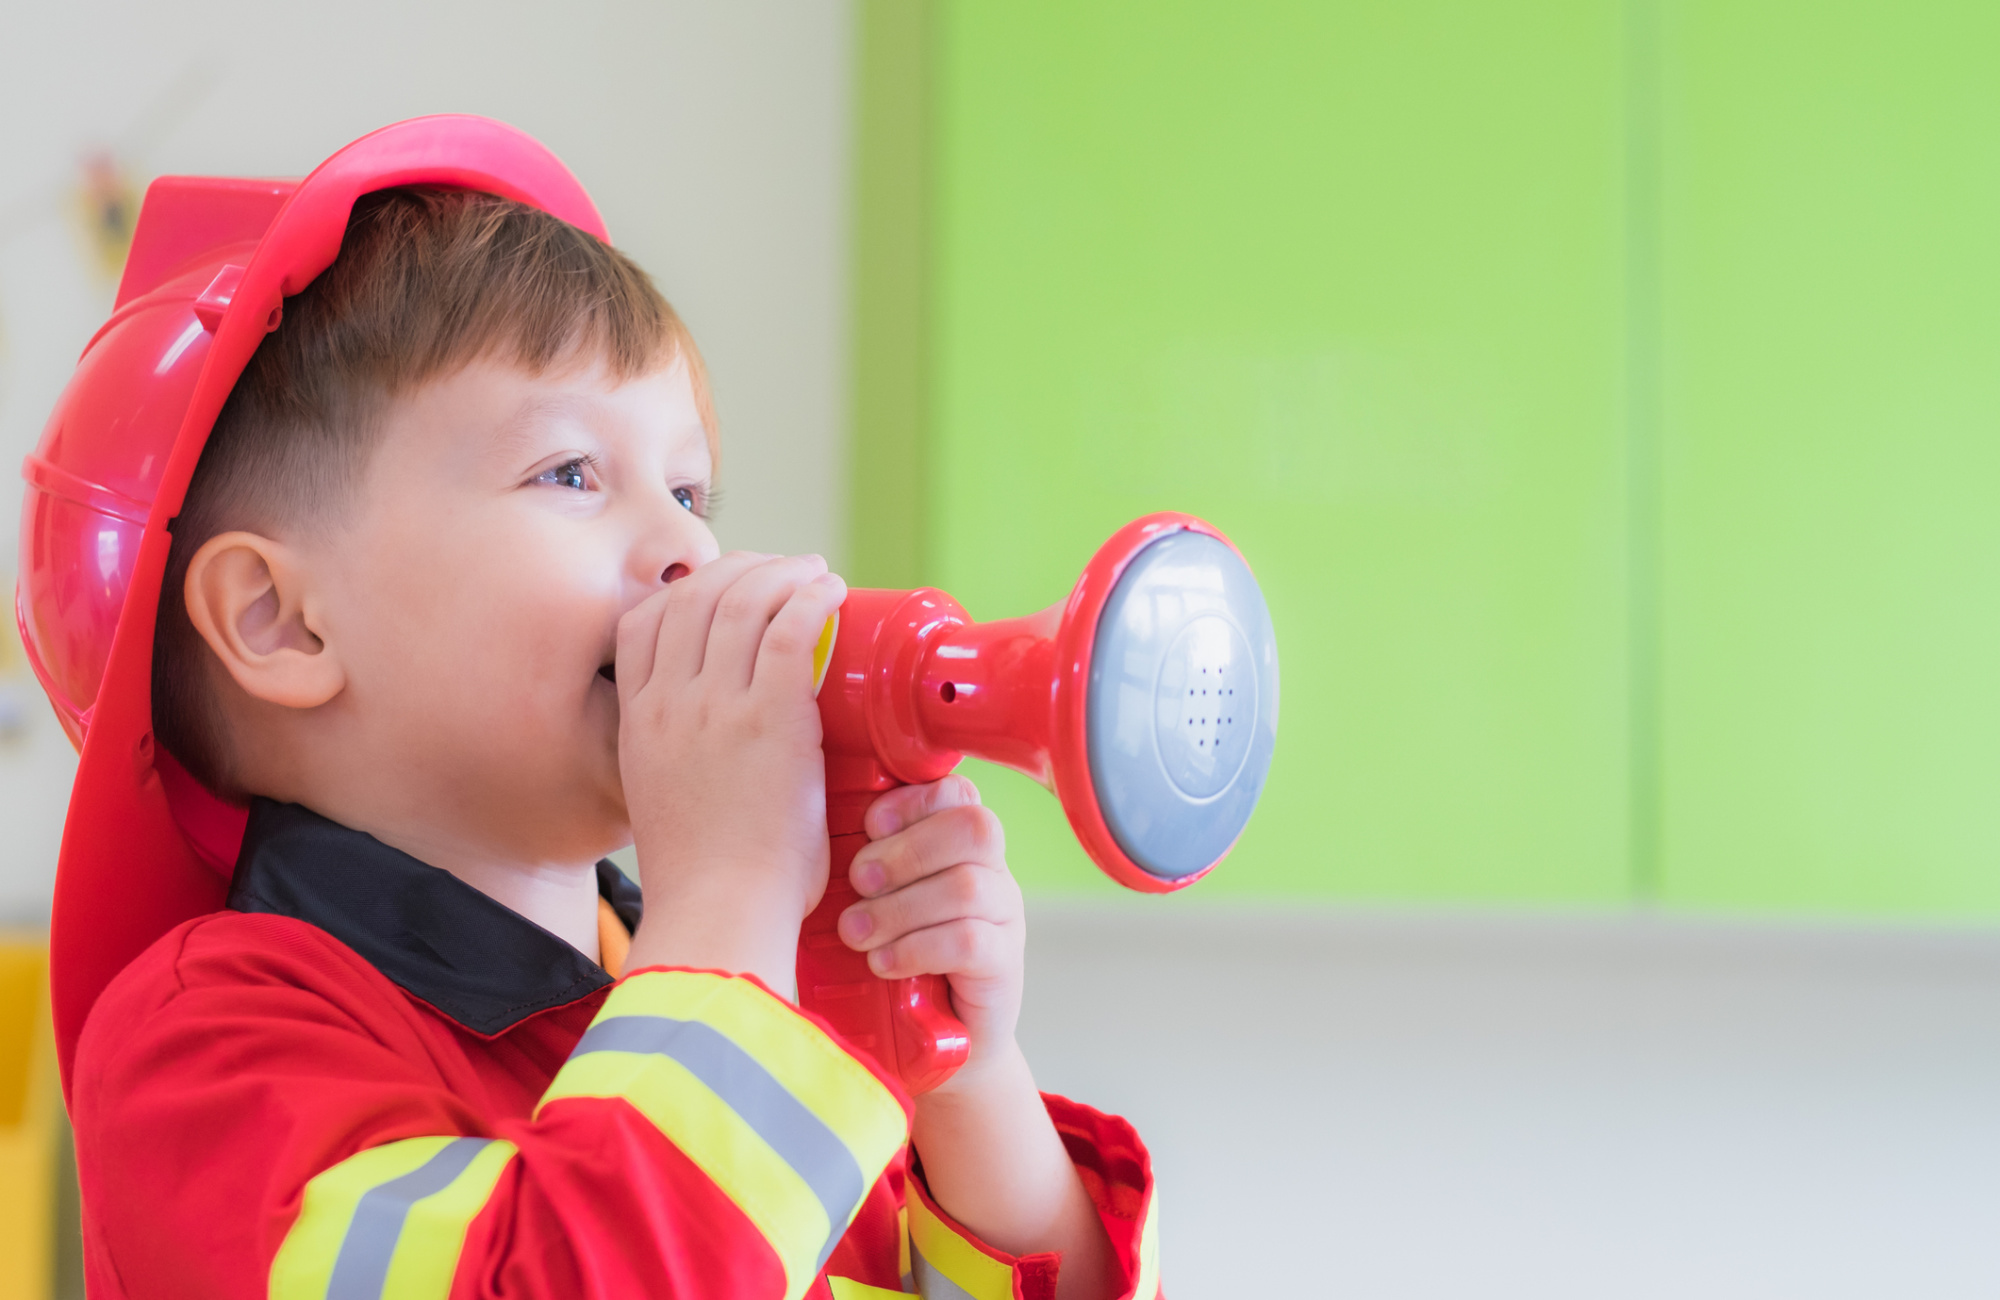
(1595, 388)
(1831, 454)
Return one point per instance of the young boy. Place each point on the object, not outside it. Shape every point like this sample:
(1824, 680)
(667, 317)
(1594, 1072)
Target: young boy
(441, 607)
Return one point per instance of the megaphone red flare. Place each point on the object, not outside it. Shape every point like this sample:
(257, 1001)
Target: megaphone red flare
(1147, 701)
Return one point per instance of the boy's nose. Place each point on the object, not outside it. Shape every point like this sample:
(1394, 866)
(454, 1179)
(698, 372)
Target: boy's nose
(673, 544)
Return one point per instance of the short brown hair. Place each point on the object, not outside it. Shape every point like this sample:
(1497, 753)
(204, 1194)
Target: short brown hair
(427, 281)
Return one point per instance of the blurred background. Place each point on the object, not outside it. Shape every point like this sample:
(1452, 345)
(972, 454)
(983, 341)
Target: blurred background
(1607, 394)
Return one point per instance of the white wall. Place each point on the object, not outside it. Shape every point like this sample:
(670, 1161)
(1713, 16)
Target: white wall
(712, 135)
(1422, 1106)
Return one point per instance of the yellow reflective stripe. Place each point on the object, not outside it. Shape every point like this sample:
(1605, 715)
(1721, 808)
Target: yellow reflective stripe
(833, 1085)
(788, 1125)
(962, 1265)
(768, 1191)
(846, 1288)
(388, 1223)
(1148, 1287)
(427, 1255)
(304, 1263)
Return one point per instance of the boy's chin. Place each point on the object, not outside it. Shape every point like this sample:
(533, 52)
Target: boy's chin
(574, 813)
(597, 834)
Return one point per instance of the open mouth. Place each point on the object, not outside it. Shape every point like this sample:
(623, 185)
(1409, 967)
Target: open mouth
(609, 672)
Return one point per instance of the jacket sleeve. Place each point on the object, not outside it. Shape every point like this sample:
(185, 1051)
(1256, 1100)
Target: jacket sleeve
(949, 1261)
(262, 1131)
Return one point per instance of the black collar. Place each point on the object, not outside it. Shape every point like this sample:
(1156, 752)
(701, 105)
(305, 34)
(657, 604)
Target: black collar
(436, 937)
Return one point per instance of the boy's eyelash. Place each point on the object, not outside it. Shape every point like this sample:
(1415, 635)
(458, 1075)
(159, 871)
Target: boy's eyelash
(586, 460)
(709, 500)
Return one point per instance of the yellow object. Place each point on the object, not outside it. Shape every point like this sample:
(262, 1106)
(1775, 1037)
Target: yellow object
(11, 657)
(30, 1121)
(107, 207)
(614, 941)
(823, 650)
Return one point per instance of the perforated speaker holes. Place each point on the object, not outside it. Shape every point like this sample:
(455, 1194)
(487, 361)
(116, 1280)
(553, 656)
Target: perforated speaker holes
(1225, 703)
(1197, 704)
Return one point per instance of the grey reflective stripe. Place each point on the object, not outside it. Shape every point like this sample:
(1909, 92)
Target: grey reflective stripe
(931, 1284)
(362, 1267)
(799, 1137)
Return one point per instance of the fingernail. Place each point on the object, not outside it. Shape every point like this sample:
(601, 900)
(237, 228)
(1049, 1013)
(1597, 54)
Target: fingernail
(869, 878)
(878, 961)
(856, 925)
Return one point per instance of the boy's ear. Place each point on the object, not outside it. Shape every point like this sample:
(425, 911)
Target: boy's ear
(253, 601)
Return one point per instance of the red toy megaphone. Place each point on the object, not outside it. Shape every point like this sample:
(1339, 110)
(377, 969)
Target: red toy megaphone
(1147, 701)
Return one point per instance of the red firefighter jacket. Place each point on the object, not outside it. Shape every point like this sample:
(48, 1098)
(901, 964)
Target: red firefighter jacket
(367, 1079)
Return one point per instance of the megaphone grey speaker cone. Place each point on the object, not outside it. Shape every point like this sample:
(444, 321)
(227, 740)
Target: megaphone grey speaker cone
(1182, 713)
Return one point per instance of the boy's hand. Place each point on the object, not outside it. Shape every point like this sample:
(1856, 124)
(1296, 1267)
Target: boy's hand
(719, 751)
(938, 900)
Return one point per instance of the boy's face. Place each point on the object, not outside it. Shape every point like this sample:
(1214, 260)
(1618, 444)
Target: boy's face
(504, 523)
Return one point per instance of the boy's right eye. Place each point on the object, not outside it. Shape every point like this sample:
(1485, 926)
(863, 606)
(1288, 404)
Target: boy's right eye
(574, 473)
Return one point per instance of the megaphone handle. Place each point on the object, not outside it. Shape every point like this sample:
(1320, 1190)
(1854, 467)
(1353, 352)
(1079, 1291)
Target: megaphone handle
(906, 1025)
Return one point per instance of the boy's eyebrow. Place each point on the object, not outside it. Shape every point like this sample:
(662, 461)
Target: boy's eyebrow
(520, 434)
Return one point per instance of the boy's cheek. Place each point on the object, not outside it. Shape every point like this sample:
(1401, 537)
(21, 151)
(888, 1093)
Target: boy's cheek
(495, 640)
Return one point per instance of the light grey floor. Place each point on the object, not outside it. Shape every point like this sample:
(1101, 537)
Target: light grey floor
(1363, 1104)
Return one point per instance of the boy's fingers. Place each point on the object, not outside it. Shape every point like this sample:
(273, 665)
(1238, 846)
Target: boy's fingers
(907, 805)
(785, 656)
(962, 948)
(967, 833)
(962, 891)
(638, 643)
(745, 611)
(688, 607)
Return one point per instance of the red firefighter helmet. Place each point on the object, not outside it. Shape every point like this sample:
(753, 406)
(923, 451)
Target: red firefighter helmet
(212, 261)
